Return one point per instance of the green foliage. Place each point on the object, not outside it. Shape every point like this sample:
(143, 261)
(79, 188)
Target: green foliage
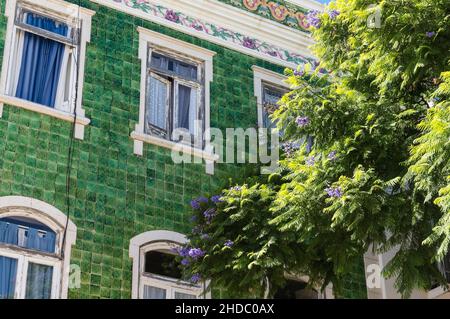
(378, 171)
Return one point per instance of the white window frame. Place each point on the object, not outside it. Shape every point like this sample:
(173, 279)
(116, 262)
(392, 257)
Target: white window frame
(260, 77)
(20, 206)
(69, 13)
(159, 240)
(150, 39)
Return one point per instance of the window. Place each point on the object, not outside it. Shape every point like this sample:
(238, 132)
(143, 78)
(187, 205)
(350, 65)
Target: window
(175, 89)
(30, 250)
(44, 53)
(271, 96)
(43, 64)
(156, 273)
(33, 272)
(174, 96)
(269, 88)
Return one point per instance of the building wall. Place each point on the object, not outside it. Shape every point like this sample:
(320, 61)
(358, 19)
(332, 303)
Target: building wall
(114, 194)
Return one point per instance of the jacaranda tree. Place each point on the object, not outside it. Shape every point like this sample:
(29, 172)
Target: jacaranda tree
(366, 161)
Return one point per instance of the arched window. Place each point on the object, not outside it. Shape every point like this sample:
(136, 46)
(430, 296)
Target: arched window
(156, 273)
(31, 249)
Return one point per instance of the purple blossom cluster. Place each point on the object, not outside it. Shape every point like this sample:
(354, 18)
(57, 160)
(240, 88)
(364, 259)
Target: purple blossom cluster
(335, 192)
(310, 161)
(299, 73)
(313, 19)
(196, 203)
(196, 253)
(302, 121)
(333, 14)
(209, 214)
(430, 34)
(216, 199)
(236, 188)
(196, 278)
(332, 155)
(229, 243)
(290, 147)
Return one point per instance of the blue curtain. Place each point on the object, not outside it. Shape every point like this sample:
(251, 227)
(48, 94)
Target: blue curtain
(37, 237)
(8, 271)
(41, 62)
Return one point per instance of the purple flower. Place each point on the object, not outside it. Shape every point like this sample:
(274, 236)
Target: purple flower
(185, 262)
(196, 253)
(313, 19)
(310, 161)
(237, 188)
(203, 199)
(290, 147)
(195, 204)
(172, 16)
(430, 34)
(209, 214)
(183, 252)
(334, 192)
(333, 14)
(217, 199)
(205, 236)
(196, 278)
(332, 155)
(298, 73)
(229, 243)
(193, 218)
(249, 43)
(302, 121)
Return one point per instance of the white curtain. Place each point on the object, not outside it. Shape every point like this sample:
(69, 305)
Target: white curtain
(154, 293)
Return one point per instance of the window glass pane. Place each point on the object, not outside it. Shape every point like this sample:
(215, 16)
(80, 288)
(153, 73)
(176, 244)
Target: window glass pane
(271, 96)
(157, 107)
(44, 23)
(179, 295)
(154, 293)
(180, 68)
(8, 272)
(27, 233)
(187, 108)
(40, 68)
(39, 281)
(161, 263)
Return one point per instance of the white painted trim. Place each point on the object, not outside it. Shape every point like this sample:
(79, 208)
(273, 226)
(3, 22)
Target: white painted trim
(261, 75)
(53, 218)
(27, 105)
(150, 139)
(148, 38)
(232, 18)
(71, 13)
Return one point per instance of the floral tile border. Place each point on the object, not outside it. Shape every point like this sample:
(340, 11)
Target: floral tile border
(206, 28)
(277, 10)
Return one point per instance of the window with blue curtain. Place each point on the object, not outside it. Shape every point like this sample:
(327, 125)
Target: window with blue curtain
(42, 57)
(27, 233)
(32, 235)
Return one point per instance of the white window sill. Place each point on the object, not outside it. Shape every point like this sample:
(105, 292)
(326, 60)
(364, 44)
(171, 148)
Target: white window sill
(81, 121)
(141, 138)
(437, 293)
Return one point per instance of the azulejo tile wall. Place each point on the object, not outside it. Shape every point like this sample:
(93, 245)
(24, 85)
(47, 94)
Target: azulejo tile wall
(116, 195)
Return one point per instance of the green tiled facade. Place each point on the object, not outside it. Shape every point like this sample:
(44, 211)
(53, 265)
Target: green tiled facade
(114, 194)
